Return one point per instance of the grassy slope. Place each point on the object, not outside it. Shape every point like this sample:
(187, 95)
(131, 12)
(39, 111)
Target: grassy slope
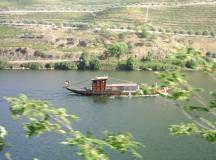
(187, 18)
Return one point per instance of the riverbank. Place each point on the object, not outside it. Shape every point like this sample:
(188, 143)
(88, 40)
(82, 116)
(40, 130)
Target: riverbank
(123, 65)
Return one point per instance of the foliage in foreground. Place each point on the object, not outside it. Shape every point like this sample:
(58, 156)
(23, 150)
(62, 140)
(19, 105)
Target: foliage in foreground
(41, 117)
(3, 133)
(181, 90)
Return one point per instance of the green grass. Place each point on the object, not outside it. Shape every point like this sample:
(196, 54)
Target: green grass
(11, 32)
(197, 18)
(27, 44)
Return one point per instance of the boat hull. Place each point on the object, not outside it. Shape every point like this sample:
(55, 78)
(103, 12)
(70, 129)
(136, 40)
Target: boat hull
(86, 92)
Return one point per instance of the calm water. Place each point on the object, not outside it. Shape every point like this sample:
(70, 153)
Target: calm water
(147, 119)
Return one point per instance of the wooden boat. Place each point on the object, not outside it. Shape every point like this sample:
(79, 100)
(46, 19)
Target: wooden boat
(100, 87)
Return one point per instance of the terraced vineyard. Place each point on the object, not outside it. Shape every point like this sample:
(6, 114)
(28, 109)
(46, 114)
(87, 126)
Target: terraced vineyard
(198, 18)
(61, 24)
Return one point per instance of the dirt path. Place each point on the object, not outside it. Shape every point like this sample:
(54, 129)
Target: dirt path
(141, 5)
(40, 61)
(148, 5)
(45, 11)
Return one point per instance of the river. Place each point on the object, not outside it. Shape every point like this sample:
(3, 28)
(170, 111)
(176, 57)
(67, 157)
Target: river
(148, 119)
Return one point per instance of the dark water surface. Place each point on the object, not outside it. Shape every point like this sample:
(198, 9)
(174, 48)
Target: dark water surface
(147, 119)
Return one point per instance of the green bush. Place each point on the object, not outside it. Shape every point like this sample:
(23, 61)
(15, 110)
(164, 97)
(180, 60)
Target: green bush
(3, 64)
(117, 49)
(197, 33)
(212, 34)
(178, 62)
(32, 66)
(83, 61)
(157, 66)
(191, 64)
(65, 66)
(131, 64)
(94, 64)
(49, 65)
(144, 33)
(205, 33)
(211, 54)
(148, 57)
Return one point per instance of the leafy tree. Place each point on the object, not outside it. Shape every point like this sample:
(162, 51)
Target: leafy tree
(148, 57)
(84, 61)
(94, 64)
(65, 66)
(117, 49)
(32, 66)
(3, 133)
(181, 90)
(131, 63)
(144, 33)
(41, 117)
(191, 64)
(3, 64)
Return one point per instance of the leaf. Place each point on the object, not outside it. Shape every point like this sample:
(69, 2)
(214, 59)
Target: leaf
(209, 135)
(196, 108)
(184, 129)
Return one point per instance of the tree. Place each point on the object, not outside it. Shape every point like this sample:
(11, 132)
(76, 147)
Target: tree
(94, 64)
(41, 117)
(3, 133)
(181, 90)
(83, 61)
(118, 49)
(131, 63)
(3, 64)
(144, 33)
(191, 64)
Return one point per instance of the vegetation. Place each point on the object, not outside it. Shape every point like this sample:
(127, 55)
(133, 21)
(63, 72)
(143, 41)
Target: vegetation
(65, 66)
(3, 64)
(32, 66)
(181, 90)
(117, 49)
(3, 133)
(88, 62)
(41, 117)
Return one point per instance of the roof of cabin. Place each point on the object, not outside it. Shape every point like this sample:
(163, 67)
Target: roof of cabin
(100, 78)
(121, 85)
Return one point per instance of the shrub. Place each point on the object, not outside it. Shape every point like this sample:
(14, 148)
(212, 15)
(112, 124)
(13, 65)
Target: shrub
(49, 65)
(178, 62)
(117, 49)
(157, 66)
(189, 32)
(32, 66)
(130, 64)
(144, 33)
(197, 33)
(167, 31)
(211, 54)
(40, 54)
(121, 35)
(212, 34)
(148, 57)
(161, 30)
(83, 61)
(3, 64)
(65, 66)
(130, 45)
(121, 65)
(191, 64)
(205, 33)
(94, 64)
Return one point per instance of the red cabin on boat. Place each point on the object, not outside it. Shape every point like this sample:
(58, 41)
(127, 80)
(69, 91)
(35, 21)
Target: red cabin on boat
(101, 88)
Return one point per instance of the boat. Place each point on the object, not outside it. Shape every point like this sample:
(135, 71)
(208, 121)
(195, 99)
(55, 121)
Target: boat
(100, 87)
